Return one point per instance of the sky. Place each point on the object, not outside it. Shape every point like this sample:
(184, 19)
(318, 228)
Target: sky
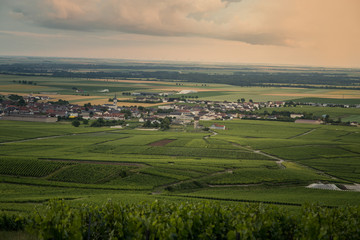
(295, 32)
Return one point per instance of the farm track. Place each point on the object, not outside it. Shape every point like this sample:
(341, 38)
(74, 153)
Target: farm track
(302, 134)
(234, 185)
(77, 186)
(50, 137)
(96, 162)
(279, 161)
(159, 189)
(112, 140)
(244, 200)
(321, 172)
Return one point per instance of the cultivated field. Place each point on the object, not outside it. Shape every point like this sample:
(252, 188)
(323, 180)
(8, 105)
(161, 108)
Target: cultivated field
(63, 88)
(250, 161)
(198, 176)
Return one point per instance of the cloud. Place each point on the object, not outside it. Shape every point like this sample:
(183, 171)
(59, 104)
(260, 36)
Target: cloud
(323, 31)
(222, 19)
(31, 34)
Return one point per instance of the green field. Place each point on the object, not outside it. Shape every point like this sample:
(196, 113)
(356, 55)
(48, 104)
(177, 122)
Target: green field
(345, 114)
(344, 101)
(62, 88)
(43, 161)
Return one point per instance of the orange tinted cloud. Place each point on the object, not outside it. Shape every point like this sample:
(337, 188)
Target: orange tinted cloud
(322, 32)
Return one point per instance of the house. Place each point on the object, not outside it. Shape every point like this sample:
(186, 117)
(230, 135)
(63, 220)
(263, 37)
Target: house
(217, 126)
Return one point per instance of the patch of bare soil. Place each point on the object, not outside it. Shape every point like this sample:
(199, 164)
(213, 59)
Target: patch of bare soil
(162, 142)
(354, 187)
(323, 186)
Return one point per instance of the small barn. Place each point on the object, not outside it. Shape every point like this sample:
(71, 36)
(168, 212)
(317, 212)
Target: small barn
(307, 121)
(216, 126)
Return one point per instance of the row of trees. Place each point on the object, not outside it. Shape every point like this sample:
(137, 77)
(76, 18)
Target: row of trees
(243, 100)
(25, 82)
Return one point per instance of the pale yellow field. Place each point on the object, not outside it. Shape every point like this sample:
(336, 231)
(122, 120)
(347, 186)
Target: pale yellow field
(338, 96)
(190, 88)
(132, 81)
(127, 104)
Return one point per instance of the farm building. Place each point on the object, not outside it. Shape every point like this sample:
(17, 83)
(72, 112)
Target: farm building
(296, 115)
(309, 121)
(217, 126)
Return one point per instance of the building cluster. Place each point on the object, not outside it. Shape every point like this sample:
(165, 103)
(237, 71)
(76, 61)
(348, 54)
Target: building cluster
(42, 109)
(35, 108)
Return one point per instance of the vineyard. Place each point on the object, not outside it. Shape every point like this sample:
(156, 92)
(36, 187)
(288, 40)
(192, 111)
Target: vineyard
(271, 163)
(90, 173)
(185, 220)
(28, 167)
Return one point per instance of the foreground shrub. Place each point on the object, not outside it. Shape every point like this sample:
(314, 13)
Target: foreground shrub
(204, 220)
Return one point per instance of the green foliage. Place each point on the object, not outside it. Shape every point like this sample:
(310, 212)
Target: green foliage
(15, 97)
(163, 123)
(182, 220)
(60, 102)
(56, 221)
(100, 122)
(11, 222)
(75, 123)
(322, 223)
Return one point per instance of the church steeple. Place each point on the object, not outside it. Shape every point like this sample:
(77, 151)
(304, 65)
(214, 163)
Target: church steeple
(115, 101)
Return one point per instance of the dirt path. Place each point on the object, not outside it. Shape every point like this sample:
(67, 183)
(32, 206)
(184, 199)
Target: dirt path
(234, 185)
(212, 134)
(31, 139)
(54, 136)
(279, 161)
(159, 189)
(96, 162)
(303, 134)
(354, 187)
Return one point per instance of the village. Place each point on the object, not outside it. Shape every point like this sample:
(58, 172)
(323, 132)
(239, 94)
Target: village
(180, 111)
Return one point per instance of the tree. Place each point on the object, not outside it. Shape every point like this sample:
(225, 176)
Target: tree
(21, 102)
(147, 124)
(165, 123)
(76, 123)
(87, 105)
(242, 100)
(250, 100)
